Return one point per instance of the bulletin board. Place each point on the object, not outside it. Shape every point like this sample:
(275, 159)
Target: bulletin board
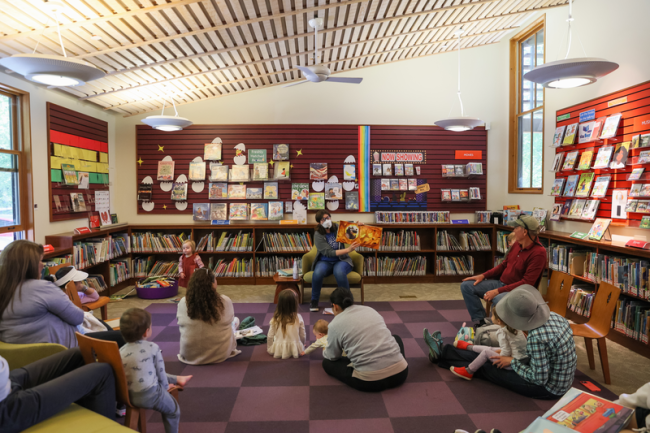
(80, 140)
(634, 105)
(331, 144)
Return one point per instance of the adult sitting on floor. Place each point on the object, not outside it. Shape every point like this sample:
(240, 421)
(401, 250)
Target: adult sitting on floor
(39, 390)
(524, 264)
(547, 372)
(34, 310)
(375, 358)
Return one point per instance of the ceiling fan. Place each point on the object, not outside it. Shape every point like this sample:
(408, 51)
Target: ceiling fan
(319, 73)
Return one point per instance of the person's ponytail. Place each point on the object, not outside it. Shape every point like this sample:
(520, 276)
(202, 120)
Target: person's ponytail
(342, 297)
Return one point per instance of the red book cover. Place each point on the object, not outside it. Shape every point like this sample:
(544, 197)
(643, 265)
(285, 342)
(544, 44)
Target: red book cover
(586, 413)
(93, 222)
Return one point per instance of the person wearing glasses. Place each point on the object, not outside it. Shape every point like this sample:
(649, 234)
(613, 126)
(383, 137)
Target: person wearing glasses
(332, 257)
(523, 264)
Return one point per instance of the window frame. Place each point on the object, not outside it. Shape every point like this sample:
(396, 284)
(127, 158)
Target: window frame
(515, 104)
(22, 148)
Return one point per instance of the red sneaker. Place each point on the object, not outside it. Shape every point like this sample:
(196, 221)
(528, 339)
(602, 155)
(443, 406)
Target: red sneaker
(461, 372)
(462, 344)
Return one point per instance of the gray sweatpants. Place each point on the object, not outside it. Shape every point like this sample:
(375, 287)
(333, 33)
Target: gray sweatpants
(158, 399)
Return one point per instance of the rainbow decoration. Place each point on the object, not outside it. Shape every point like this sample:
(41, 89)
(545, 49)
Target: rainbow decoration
(364, 167)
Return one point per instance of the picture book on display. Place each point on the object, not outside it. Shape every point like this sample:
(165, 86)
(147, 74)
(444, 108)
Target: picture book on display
(555, 213)
(413, 184)
(257, 156)
(349, 172)
(238, 211)
(464, 194)
(570, 160)
(599, 228)
(288, 207)
(635, 142)
(388, 170)
(299, 191)
(475, 168)
(644, 140)
(556, 190)
(237, 192)
(408, 170)
(636, 174)
(394, 184)
(576, 208)
(376, 169)
(218, 211)
(403, 185)
(600, 186)
(645, 190)
(455, 195)
(603, 157)
(557, 162)
(282, 170)
(59, 208)
(399, 170)
(201, 211)
(240, 173)
(642, 206)
(197, 171)
(352, 200)
(318, 171)
(611, 125)
(598, 126)
(218, 172)
(316, 200)
(255, 193)
(280, 152)
(460, 170)
(166, 171)
(212, 152)
(589, 212)
(270, 190)
(631, 204)
(475, 193)
(69, 174)
(417, 170)
(448, 171)
(145, 192)
(620, 155)
(445, 195)
(645, 222)
(179, 191)
(558, 136)
(635, 190)
(585, 159)
(367, 236)
(585, 130)
(83, 179)
(218, 191)
(259, 211)
(275, 210)
(385, 184)
(333, 191)
(260, 171)
(566, 206)
(78, 203)
(570, 134)
(584, 184)
(571, 185)
(644, 157)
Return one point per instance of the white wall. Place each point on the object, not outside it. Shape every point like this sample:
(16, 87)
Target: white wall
(39, 95)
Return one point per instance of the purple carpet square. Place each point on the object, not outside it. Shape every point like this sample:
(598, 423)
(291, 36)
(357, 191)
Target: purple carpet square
(194, 427)
(314, 317)
(545, 405)
(170, 350)
(416, 329)
(164, 308)
(448, 305)
(268, 427)
(390, 317)
(225, 374)
(506, 422)
(174, 322)
(456, 315)
(273, 403)
(381, 425)
(411, 306)
(421, 399)
(399, 329)
(318, 377)
(343, 402)
(380, 306)
(412, 349)
(248, 309)
(420, 316)
(193, 405)
(481, 396)
(442, 424)
(260, 354)
(277, 373)
(170, 333)
(174, 367)
(316, 355)
(422, 370)
(155, 330)
(163, 319)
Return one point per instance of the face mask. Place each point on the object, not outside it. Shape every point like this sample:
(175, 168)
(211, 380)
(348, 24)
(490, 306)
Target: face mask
(327, 224)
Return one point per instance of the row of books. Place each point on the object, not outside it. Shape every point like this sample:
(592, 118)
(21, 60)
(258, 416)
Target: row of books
(147, 242)
(632, 318)
(395, 266)
(90, 252)
(119, 245)
(454, 265)
(502, 241)
(498, 260)
(56, 261)
(268, 266)
(629, 274)
(561, 258)
(164, 269)
(472, 241)
(120, 270)
(402, 240)
(483, 217)
(428, 217)
(228, 241)
(96, 282)
(237, 268)
(287, 242)
(581, 299)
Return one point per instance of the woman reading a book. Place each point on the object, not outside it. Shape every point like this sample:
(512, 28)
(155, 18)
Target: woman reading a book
(332, 257)
(206, 321)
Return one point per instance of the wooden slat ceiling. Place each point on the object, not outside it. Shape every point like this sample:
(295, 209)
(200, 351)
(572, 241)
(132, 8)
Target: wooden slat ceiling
(201, 49)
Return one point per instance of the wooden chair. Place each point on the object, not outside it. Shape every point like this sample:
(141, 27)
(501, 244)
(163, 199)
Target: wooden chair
(355, 277)
(558, 291)
(101, 303)
(599, 325)
(94, 350)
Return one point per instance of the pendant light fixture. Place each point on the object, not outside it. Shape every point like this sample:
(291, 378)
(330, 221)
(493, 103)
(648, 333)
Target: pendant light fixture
(462, 123)
(167, 123)
(53, 70)
(569, 73)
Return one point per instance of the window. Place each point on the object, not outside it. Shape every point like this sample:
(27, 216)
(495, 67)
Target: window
(16, 217)
(526, 162)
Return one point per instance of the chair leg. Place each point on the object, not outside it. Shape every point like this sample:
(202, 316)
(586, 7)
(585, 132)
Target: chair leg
(362, 292)
(104, 309)
(589, 345)
(602, 350)
(143, 421)
(132, 418)
(488, 308)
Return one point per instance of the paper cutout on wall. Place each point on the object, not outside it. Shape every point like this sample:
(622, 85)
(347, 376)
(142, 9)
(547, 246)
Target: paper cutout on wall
(350, 160)
(299, 212)
(167, 186)
(148, 205)
(348, 186)
(318, 185)
(332, 205)
(240, 157)
(198, 186)
(181, 205)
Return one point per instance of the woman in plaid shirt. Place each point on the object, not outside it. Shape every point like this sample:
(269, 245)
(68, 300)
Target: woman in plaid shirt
(547, 372)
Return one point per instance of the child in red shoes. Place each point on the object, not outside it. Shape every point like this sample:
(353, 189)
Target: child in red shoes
(511, 343)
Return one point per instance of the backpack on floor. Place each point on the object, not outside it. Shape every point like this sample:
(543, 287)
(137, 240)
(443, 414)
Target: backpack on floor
(465, 333)
(487, 335)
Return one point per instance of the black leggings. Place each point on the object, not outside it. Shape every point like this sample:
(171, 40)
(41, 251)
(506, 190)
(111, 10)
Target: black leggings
(339, 369)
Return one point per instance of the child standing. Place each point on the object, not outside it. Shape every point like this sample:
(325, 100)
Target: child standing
(144, 368)
(511, 343)
(286, 336)
(188, 263)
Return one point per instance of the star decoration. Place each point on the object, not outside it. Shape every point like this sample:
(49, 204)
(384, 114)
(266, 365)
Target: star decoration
(291, 165)
(299, 152)
(271, 162)
(241, 183)
(161, 148)
(140, 161)
(165, 206)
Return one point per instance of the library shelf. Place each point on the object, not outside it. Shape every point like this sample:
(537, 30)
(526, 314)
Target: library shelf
(57, 252)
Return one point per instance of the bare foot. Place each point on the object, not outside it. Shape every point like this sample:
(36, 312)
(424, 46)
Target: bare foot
(181, 381)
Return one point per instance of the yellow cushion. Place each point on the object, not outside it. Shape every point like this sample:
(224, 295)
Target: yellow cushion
(76, 419)
(19, 355)
(353, 278)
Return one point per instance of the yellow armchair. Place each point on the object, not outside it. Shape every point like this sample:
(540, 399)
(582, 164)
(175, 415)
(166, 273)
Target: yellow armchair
(355, 277)
(19, 355)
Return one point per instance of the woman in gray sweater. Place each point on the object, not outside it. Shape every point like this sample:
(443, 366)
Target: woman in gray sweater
(332, 257)
(34, 310)
(375, 358)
